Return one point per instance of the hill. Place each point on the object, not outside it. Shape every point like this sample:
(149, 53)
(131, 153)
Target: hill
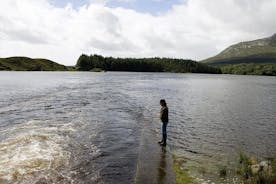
(90, 63)
(256, 57)
(29, 64)
(257, 51)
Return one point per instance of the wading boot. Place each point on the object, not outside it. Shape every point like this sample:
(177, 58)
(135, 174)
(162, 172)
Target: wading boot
(164, 143)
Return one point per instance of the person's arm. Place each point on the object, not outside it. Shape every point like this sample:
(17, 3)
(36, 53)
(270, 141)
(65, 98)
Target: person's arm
(161, 113)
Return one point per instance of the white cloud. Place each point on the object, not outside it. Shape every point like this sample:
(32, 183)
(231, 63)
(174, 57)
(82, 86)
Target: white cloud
(195, 29)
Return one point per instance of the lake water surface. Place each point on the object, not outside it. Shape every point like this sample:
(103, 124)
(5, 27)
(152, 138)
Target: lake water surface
(74, 127)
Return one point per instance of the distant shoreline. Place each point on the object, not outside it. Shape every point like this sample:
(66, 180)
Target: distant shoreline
(96, 63)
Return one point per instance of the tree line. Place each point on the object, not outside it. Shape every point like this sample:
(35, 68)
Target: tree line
(249, 69)
(156, 64)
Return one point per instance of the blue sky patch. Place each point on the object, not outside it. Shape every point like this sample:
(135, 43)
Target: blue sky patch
(144, 6)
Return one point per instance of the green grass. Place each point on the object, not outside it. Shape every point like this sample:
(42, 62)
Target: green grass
(181, 175)
(244, 171)
(223, 171)
(71, 68)
(97, 70)
(28, 64)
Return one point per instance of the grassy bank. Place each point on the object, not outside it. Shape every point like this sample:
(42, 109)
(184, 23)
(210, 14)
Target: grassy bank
(29, 64)
(248, 170)
(254, 171)
(181, 175)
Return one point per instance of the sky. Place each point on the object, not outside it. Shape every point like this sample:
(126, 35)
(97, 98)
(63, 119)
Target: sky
(62, 30)
(155, 7)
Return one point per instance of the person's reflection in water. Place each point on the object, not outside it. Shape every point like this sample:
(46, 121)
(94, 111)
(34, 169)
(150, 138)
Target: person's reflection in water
(162, 166)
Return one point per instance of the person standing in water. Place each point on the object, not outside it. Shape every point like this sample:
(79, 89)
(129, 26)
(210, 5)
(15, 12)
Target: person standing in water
(164, 117)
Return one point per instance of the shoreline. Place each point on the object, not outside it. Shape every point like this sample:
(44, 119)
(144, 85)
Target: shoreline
(104, 71)
(248, 170)
(77, 71)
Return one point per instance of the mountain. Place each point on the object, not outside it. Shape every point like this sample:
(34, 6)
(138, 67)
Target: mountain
(29, 64)
(257, 51)
(256, 57)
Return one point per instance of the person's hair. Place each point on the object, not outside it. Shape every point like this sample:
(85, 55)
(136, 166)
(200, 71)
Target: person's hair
(163, 101)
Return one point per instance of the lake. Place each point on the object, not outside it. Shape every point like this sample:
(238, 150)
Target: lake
(83, 127)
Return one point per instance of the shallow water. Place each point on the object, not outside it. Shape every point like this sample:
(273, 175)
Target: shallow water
(87, 127)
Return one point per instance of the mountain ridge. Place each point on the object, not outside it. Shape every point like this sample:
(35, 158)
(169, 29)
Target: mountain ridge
(255, 51)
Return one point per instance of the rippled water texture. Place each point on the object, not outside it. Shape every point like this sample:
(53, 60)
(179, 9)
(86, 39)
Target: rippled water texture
(87, 127)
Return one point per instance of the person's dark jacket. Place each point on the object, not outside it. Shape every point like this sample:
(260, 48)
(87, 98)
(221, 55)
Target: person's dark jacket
(164, 114)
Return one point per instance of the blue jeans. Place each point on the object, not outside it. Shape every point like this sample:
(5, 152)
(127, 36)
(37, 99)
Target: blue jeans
(164, 129)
